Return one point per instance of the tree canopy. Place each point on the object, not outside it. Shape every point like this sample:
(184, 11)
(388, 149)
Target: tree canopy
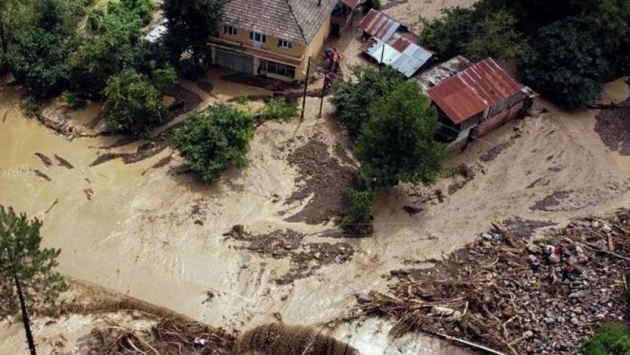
(213, 142)
(397, 143)
(190, 23)
(357, 220)
(25, 266)
(354, 97)
(566, 64)
(611, 339)
(449, 36)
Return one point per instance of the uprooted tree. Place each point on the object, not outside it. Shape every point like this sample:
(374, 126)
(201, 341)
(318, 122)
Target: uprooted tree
(27, 278)
(213, 142)
(397, 143)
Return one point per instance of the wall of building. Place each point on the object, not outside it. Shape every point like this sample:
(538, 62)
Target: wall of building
(242, 37)
(493, 122)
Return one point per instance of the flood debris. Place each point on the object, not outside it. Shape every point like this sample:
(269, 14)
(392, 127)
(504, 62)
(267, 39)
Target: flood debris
(305, 258)
(613, 126)
(168, 337)
(322, 177)
(185, 100)
(88, 193)
(63, 162)
(51, 206)
(495, 151)
(551, 202)
(514, 296)
(46, 160)
(204, 85)
(278, 338)
(145, 151)
(42, 175)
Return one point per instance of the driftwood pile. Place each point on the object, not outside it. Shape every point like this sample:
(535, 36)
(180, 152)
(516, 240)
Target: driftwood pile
(488, 293)
(170, 337)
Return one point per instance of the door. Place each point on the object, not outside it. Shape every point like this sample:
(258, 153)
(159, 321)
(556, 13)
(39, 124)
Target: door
(235, 61)
(258, 39)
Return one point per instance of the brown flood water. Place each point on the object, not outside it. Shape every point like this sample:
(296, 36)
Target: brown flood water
(137, 233)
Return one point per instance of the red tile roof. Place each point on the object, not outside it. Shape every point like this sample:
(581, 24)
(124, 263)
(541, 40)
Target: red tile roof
(471, 91)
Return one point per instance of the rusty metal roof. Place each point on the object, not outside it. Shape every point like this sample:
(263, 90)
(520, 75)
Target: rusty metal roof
(474, 89)
(391, 46)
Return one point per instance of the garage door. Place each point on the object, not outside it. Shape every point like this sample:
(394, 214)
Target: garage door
(237, 62)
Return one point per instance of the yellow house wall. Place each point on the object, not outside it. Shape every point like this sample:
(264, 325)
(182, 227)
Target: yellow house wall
(298, 50)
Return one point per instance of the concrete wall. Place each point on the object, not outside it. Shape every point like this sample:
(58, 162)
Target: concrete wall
(242, 37)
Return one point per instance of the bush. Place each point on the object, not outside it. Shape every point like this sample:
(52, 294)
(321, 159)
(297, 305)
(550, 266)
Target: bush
(134, 101)
(566, 64)
(213, 142)
(449, 35)
(73, 100)
(610, 339)
(357, 219)
(278, 109)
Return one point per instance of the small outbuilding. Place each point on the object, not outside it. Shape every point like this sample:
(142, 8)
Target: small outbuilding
(389, 42)
(477, 100)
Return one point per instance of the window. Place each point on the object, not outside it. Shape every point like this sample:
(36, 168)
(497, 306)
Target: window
(284, 44)
(267, 66)
(227, 29)
(257, 37)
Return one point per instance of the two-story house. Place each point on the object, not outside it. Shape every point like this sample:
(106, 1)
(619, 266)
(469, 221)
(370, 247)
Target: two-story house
(274, 38)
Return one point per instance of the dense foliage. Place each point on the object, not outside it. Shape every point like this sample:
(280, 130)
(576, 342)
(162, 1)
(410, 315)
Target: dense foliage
(213, 142)
(21, 257)
(190, 24)
(278, 109)
(397, 143)
(354, 97)
(357, 220)
(134, 101)
(566, 64)
(611, 339)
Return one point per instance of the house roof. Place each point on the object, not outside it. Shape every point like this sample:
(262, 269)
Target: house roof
(392, 47)
(474, 89)
(294, 20)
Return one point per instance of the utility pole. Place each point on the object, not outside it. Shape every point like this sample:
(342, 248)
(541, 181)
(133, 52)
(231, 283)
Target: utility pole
(321, 99)
(382, 57)
(25, 319)
(308, 70)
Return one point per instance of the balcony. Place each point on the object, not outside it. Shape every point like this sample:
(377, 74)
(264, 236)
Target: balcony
(258, 52)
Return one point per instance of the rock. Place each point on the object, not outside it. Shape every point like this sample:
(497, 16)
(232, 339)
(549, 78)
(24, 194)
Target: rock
(457, 316)
(442, 311)
(575, 321)
(528, 334)
(560, 319)
(596, 224)
(364, 298)
(487, 236)
(579, 250)
(554, 259)
(576, 294)
(606, 228)
(600, 316)
(533, 248)
(412, 209)
(577, 309)
(582, 258)
(549, 320)
(508, 311)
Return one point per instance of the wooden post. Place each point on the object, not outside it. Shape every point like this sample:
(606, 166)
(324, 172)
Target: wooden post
(321, 99)
(308, 70)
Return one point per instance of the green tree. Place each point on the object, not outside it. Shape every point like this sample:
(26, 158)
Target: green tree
(14, 15)
(610, 339)
(213, 142)
(134, 101)
(566, 64)
(26, 275)
(357, 220)
(449, 36)
(353, 97)
(397, 144)
(495, 36)
(190, 23)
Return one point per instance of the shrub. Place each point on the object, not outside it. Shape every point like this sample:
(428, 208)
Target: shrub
(278, 109)
(611, 339)
(357, 219)
(73, 100)
(213, 142)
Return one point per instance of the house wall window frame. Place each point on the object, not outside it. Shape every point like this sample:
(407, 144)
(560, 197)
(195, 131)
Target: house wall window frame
(257, 37)
(284, 44)
(271, 67)
(230, 30)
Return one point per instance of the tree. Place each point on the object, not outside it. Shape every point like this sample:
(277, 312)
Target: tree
(359, 214)
(190, 24)
(397, 143)
(566, 64)
(14, 15)
(449, 36)
(134, 101)
(213, 142)
(26, 275)
(353, 97)
(610, 339)
(495, 36)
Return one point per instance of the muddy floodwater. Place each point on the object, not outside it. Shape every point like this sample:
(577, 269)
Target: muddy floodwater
(142, 230)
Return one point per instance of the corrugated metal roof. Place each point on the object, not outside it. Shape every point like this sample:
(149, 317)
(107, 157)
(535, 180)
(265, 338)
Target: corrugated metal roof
(397, 49)
(473, 90)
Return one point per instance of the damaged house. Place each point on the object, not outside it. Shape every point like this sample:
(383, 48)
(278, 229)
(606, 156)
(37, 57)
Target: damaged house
(477, 100)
